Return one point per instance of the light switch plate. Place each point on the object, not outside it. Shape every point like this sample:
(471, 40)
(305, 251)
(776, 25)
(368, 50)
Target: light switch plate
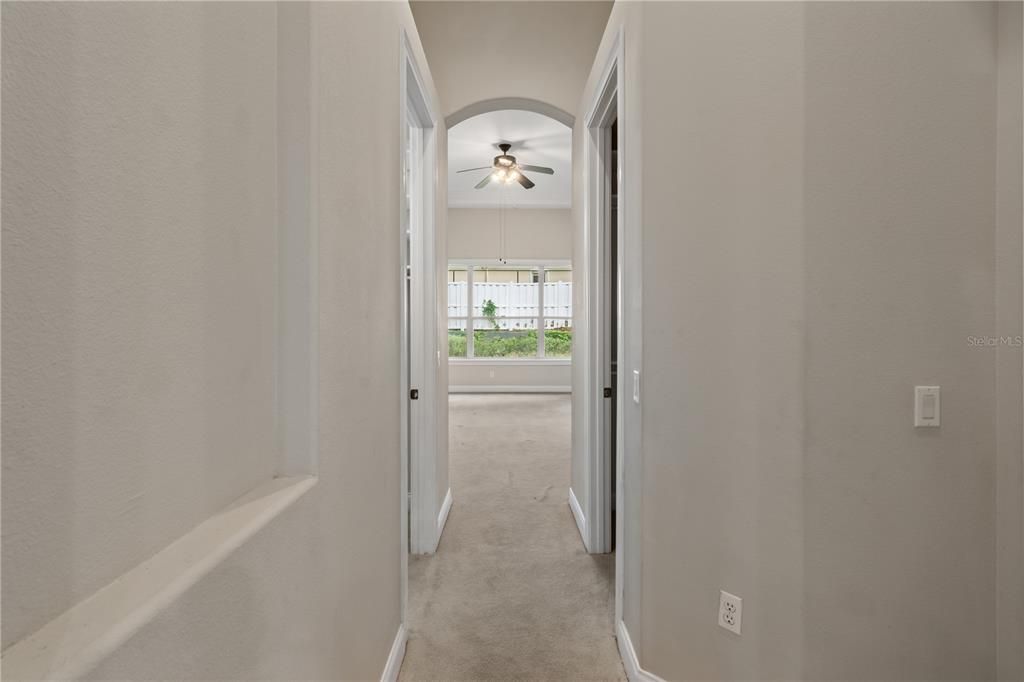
(926, 406)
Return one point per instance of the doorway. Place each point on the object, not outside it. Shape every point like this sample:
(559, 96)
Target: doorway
(419, 350)
(610, 279)
(613, 342)
(603, 394)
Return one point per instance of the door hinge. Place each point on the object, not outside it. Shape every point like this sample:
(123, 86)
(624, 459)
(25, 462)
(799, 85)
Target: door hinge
(607, 392)
(414, 394)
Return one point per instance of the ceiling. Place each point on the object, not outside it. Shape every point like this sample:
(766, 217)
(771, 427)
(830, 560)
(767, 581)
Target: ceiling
(536, 140)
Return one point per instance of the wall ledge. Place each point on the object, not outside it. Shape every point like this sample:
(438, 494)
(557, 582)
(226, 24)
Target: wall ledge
(76, 641)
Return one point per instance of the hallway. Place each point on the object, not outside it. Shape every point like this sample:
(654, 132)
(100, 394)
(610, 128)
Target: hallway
(511, 593)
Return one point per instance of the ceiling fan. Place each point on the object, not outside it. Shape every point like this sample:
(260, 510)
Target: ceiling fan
(505, 169)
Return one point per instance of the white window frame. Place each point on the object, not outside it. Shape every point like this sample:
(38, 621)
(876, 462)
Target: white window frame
(541, 265)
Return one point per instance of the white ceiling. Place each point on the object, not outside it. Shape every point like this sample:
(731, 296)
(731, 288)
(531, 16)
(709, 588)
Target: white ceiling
(536, 140)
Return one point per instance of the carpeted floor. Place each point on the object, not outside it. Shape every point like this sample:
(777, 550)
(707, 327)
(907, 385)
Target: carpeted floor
(511, 593)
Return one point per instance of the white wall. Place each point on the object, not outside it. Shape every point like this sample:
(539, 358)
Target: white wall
(529, 234)
(831, 232)
(467, 44)
(1009, 245)
(139, 288)
(480, 376)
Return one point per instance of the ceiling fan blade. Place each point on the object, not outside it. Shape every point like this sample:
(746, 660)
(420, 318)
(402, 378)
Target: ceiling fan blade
(483, 183)
(537, 169)
(524, 181)
(466, 170)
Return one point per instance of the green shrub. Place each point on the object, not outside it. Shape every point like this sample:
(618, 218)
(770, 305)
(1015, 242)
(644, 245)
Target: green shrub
(505, 344)
(489, 343)
(557, 343)
(456, 344)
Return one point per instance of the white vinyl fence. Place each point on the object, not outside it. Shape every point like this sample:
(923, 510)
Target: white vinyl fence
(513, 301)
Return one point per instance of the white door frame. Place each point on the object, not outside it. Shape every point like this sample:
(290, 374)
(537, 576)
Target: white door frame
(605, 107)
(419, 338)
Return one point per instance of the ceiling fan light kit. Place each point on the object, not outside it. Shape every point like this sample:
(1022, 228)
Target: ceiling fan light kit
(504, 169)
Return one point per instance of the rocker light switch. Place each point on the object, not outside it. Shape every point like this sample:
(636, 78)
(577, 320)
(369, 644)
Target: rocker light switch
(926, 406)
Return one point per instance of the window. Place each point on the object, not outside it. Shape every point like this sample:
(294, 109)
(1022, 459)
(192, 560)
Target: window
(510, 312)
(557, 312)
(458, 305)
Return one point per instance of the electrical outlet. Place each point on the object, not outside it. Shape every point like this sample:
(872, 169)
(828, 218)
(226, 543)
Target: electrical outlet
(730, 611)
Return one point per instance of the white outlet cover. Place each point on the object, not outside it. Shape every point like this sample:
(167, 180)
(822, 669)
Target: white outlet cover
(730, 611)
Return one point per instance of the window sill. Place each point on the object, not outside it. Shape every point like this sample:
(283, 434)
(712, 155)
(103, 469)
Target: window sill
(545, 362)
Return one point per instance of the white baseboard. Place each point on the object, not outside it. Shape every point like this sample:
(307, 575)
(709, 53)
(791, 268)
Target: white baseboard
(629, 660)
(577, 513)
(394, 664)
(442, 516)
(509, 389)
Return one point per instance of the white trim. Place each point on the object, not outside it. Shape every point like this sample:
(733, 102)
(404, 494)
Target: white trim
(76, 641)
(629, 658)
(483, 388)
(403, 351)
(442, 516)
(541, 324)
(630, 327)
(630, 288)
(577, 513)
(515, 362)
(422, 335)
(470, 319)
(394, 663)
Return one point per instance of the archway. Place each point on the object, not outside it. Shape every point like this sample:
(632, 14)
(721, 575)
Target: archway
(503, 103)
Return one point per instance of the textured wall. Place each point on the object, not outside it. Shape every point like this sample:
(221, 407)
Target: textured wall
(723, 348)
(316, 593)
(899, 221)
(831, 228)
(139, 284)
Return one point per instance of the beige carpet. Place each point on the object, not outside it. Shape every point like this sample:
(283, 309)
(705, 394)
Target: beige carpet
(511, 593)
